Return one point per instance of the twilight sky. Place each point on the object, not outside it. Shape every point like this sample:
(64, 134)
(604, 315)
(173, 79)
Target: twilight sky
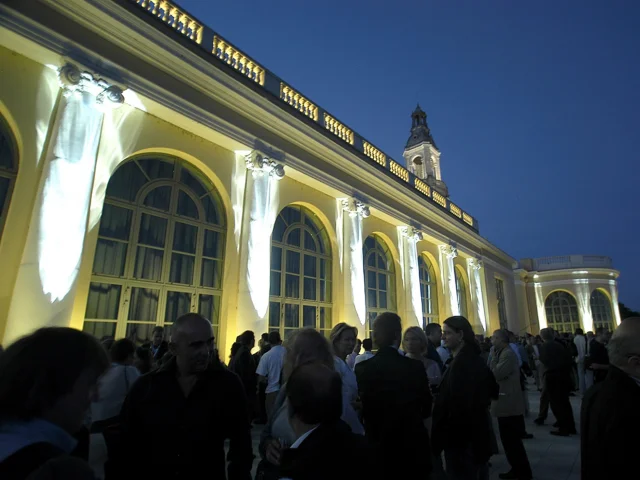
(534, 105)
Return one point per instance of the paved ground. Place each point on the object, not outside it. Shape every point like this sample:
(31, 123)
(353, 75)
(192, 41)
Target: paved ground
(551, 458)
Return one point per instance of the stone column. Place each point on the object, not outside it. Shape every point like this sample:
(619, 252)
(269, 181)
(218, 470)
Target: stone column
(258, 217)
(542, 313)
(613, 290)
(355, 308)
(46, 283)
(448, 275)
(584, 304)
(475, 269)
(411, 275)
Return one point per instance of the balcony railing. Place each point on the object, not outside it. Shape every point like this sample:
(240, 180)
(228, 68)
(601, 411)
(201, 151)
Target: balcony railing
(570, 261)
(229, 56)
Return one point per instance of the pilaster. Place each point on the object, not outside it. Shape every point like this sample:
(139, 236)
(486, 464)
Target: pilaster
(448, 276)
(475, 269)
(411, 276)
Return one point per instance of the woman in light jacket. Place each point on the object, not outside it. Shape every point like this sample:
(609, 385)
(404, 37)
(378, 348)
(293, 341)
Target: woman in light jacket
(509, 407)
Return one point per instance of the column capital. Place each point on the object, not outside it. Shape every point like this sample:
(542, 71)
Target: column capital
(411, 233)
(355, 207)
(450, 251)
(475, 263)
(73, 80)
(260, 164)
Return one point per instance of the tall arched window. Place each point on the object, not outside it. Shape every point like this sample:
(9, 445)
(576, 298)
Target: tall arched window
(461, 292)
(601, 311)
(160, 250)
(8, 170)
(428, 291)
(562, 312)
(379, 279)
(300, 273)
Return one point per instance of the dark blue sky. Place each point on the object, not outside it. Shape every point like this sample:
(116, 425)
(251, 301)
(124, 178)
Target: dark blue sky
(534, 105)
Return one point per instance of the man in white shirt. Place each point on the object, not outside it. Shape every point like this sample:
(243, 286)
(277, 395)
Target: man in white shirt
(580, 342)
(270, 368)
(367, 344)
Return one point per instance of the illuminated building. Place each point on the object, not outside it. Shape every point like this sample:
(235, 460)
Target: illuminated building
(150, 168)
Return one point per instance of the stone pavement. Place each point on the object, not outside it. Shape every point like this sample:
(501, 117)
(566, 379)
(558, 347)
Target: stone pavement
(551, 458)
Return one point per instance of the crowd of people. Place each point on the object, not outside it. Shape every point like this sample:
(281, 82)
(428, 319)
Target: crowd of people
(415, 404)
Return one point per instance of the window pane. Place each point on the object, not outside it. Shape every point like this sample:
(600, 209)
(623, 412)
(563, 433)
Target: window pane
(278, 230)
(293, 262)
(115, 222)
(274, 314)
(156, 168)
(211, 211)
(372, 300)
(293, 238)
(126, 181)
(153, 230)
(182, 269)
(308, 316)
(291, 215)
(292, 286)
(209, 307)
(382, 262)
(211, 275)
(325, 291)
(149, 264)
(184, 238)
(212, 244)
(275, 288)
(382, 298)
(310, 266)
(4, 192)
(178, 303)
(110, 258)
(140, 333)
(143, 304)
(310, 289)
(186, 206)
(276, 258)
(325, 318)
(103, 301)
(291, 315)
(159, 198)
(382, 281)
(371, 279)
(190, 180)
(371, 259)
(324, 271)
(309, 242)
(100, 329)
(6, 150)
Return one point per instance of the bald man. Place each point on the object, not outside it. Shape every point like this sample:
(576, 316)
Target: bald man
(610, 416)
(178, 417)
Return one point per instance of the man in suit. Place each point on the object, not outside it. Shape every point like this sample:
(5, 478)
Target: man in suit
(610, 418)
(325, 446)
(159, 346)
(395, 401)
(509, 407)
(558, 363)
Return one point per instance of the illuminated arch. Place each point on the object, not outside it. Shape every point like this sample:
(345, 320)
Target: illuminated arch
(428, 290)
(301, 268)
(379, 278)
(562, 311)
(8, 169)
(601, 310)
(160, 250)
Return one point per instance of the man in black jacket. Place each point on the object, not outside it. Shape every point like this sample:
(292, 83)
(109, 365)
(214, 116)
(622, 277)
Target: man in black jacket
(558, 363)
(434, 336)
(178, 417)
(325, 447)
(395, 401)
(243, 365)
(610, 418)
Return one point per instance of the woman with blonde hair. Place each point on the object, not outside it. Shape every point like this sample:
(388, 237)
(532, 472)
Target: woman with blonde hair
(302, 347)
(415, 344)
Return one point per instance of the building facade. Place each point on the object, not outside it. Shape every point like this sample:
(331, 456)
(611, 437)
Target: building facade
(149, 168)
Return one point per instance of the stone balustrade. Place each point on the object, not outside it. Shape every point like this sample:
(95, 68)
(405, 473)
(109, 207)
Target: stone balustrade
(230, 56)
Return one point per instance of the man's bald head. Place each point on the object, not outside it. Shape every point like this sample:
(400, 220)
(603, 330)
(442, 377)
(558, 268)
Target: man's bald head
(624, 346)
(192, 343)
(187, 323)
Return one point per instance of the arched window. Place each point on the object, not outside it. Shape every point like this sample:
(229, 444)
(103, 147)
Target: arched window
(160, 250)
(601, 311)
(562, 312)
(461, 292)
(428, 291)
(300, 288)
(379, 279)
(8, 170)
